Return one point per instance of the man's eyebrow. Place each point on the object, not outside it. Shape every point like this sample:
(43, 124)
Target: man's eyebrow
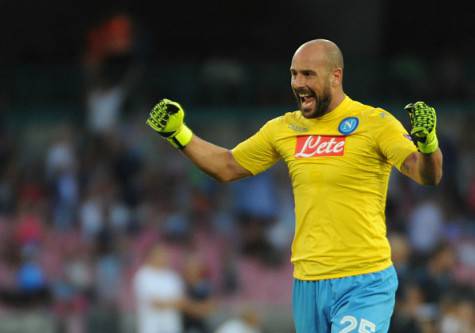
(303, 70)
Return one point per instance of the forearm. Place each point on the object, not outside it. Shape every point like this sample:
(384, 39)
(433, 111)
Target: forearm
(214, 160)
(431, 168)
(167, 119)
(425, 169)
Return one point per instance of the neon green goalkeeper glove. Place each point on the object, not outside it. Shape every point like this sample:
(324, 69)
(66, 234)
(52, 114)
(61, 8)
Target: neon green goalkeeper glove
(423, 121)
(166, 118)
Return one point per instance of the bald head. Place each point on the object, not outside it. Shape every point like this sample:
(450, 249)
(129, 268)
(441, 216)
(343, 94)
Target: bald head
(322, 51)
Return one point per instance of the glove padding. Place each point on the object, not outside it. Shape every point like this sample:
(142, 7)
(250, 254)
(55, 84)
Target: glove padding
(423, 122)
(166, 118)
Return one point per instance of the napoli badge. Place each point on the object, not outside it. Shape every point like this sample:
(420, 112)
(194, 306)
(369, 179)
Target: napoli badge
(348, 125)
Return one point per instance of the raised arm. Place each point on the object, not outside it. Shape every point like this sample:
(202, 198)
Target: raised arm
(424, 166)
(425, 169)
(167, 118)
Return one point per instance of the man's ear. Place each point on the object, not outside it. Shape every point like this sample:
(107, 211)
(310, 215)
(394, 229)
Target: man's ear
(337, 77)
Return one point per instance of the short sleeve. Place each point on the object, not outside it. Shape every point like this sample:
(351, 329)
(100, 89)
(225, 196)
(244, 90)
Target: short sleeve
(392, 139)
(257, 153)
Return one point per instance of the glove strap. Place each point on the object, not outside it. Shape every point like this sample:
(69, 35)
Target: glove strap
(431, 144)
(181, 138)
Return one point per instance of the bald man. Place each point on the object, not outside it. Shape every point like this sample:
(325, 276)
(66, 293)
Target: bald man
(339, 153)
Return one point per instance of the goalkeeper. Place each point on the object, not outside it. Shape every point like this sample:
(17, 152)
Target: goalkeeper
(339, 153)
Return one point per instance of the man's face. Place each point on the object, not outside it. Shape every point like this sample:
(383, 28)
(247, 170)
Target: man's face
(311, 87)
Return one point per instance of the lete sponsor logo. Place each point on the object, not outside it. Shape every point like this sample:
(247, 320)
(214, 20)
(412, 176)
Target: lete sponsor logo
(319, 145)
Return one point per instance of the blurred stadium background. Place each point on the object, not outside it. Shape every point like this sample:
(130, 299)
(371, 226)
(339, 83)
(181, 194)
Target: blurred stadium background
(86, 190)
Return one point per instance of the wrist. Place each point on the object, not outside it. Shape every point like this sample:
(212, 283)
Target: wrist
(181, 138)
(431, 144)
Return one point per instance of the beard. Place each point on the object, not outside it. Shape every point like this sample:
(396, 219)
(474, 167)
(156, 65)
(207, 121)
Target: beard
(321, 102)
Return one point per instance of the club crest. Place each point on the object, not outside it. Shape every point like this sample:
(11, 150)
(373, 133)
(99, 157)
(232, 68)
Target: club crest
(348, 125)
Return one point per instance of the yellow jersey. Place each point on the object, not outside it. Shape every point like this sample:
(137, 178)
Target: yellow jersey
(339, 166)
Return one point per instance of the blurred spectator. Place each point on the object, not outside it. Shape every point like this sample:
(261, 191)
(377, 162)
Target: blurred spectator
(79, 271)
(229, 269)
(61, 172)
(199, 296)
(426, 226)
(103, 312)
(110, 71)
(256, 207)
(104, 105)
(158, 291)
(61, 155)
(30, 276)
(437, 277)
(29, 226)
(23, 283)
(458, 314)
(108, 269)
(400, 255)
(91, 215)
(176, 226)
(410, 314)
(465, 247)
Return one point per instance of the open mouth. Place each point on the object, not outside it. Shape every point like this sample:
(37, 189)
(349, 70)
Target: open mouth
(307, 100)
